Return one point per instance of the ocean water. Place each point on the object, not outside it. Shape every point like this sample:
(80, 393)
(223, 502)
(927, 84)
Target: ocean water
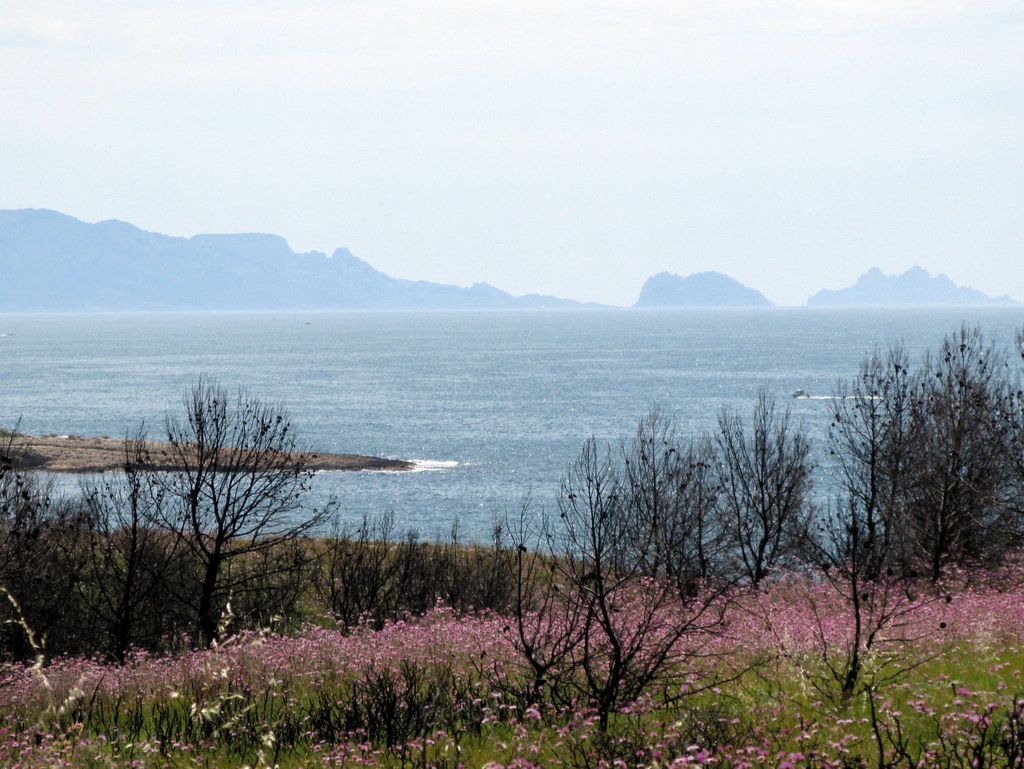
(493, 405)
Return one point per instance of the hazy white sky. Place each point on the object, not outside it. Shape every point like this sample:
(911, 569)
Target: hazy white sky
(551, 146)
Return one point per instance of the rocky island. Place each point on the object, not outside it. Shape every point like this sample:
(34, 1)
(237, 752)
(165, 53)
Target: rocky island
(77, 454)
(914, 288)
(702, 289)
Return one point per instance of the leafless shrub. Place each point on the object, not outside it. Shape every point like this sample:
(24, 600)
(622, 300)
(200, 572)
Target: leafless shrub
(765, 488)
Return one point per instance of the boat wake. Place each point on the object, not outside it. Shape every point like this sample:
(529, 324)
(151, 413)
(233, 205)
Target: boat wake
(838, 397)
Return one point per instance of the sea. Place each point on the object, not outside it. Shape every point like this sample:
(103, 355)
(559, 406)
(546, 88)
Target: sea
(492, 406)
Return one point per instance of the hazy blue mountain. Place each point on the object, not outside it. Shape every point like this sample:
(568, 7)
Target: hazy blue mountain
(915, 287)
(51, 261)
(702, 289)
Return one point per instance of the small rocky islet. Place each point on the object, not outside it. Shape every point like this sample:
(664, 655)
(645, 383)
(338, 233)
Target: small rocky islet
(77, 454)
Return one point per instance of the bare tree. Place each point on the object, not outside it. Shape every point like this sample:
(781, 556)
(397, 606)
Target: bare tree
(765, 480)
(926, 458)
(633, 619)
(23, 495)
(1017, 431)
(923, 463)
(962, 482)
(236, 493)
(135, 563)
(547, 625)
(40, 558)
(870, 450)
(879, 608)
(669, 494)
(877, 600)
(602, 613)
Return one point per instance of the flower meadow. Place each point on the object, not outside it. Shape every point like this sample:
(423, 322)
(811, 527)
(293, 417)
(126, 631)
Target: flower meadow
(940, 686)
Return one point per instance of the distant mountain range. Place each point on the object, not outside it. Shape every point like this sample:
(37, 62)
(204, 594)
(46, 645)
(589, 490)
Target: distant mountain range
(914, 287)
(702, 289)
(53, 262)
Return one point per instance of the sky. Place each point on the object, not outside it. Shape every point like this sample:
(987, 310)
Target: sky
(544, 146)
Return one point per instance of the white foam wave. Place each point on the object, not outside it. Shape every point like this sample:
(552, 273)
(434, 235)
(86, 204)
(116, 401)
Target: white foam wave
(418, 466)
(427, 465)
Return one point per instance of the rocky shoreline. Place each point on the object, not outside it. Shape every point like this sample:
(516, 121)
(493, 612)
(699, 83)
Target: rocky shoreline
(77, 454)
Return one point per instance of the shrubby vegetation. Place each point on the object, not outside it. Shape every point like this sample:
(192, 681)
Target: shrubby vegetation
(690, 601)
(161, 560)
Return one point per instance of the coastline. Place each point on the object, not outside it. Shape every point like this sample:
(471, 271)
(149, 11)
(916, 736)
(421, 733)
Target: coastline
(77, 454)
